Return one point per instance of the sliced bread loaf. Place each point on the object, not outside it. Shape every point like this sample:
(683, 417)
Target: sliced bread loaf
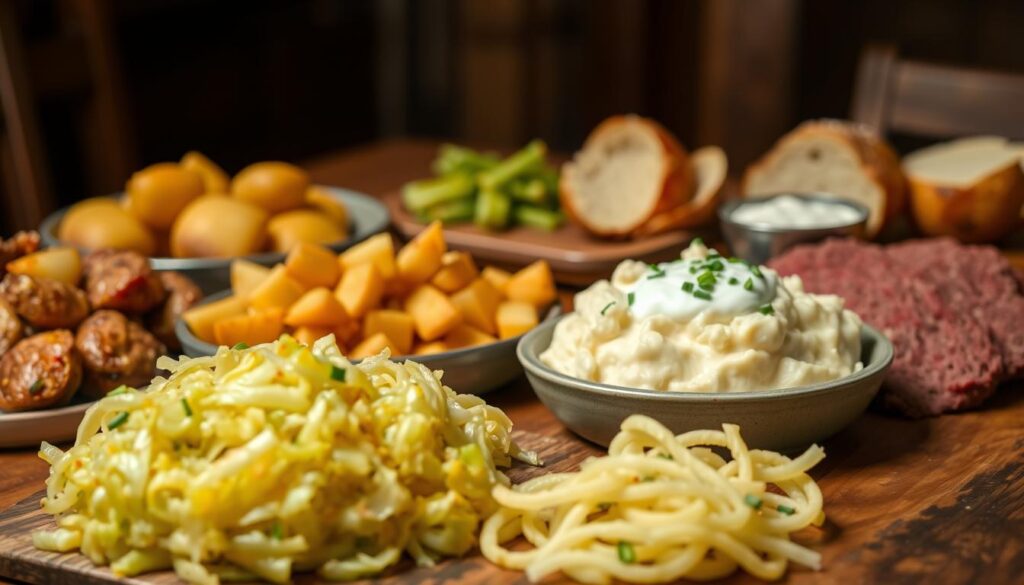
(834, 157)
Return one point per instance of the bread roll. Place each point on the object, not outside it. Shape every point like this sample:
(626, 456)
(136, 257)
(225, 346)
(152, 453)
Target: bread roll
(843, 159)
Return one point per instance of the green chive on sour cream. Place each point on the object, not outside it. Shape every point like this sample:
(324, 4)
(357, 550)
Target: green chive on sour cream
(702, 281)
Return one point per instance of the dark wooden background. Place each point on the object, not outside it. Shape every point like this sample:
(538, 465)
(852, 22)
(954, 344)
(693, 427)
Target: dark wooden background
(116, 84)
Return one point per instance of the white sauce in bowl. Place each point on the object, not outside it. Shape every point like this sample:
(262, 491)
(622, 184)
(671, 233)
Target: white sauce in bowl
(787, 211)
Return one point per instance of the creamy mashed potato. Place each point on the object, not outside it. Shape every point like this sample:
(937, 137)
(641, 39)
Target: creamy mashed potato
(704, 323)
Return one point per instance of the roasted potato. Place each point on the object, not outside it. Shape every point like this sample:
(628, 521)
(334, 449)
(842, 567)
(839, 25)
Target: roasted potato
(102, 223)
(218, 226)
(303, 225)
(215, 180)
(158, 193)
(274, 186)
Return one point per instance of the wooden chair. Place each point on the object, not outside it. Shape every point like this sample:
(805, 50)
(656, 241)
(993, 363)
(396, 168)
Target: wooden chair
(935, 101)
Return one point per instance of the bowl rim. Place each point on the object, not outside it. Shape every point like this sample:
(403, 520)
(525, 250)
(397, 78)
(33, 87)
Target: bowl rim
(726, 209)
(361, 228)
(532, 364)
(187, 338)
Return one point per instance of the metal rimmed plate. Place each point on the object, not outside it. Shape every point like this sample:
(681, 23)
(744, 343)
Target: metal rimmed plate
(471, 370)
(28, 429)
(786, 419)
(367, 216)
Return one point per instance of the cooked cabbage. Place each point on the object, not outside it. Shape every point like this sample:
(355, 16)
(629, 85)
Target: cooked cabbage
(258, 462)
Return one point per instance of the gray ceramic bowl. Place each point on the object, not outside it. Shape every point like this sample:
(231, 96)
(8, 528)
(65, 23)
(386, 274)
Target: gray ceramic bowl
(472, 370)
(757, 243)
(783, 420)
(367, 216)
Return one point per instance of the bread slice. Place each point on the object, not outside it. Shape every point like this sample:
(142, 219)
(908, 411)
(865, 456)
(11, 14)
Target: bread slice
(710, 167)
(834, 157)
(629, 170)
(971, 189)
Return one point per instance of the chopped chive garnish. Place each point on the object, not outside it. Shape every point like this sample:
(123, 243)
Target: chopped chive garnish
(756, 271)
(733, 280)
(606, 307)
(37, 387)
(240, 345)
(603, 506)
(767, 310)
(657, 275)
(707, 286)
(630, 297)
(118, 420)
(665, 456)
(276, 530)
(717, 266)
(656, 268)
(707, 277)
(749, 284)
(786, 510)
(688, 286)
(337, 374)
(700, 294)
(698, 241)
(185, 406)
(119, 390)
(752, 501)
(627, 554)
(734, 260)
(693, 270)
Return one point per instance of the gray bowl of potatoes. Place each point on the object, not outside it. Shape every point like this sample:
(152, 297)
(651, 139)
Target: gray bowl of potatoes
(782, 420)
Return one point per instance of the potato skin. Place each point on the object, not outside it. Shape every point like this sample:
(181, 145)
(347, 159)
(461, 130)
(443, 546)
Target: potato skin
(218, 226)
(158, 193)
(273, 185)
(101, 222)
(215, 180)
(303, 225)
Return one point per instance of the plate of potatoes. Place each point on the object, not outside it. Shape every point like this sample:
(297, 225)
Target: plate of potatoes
(192, 217)
(421, 302)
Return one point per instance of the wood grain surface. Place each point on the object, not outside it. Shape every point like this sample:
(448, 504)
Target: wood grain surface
(927, 501)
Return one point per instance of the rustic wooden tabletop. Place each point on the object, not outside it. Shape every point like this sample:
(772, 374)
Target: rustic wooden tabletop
(929, 501)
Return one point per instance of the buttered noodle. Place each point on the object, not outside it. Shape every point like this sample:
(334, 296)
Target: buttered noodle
(661, 507)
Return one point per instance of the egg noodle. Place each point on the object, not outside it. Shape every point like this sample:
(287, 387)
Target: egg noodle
(661, 507)
(261, 461)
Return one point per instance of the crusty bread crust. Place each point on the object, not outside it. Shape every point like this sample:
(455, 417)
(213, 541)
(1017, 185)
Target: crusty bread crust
(982, 212)
(676, 182)
(710, 167)
(878, 161)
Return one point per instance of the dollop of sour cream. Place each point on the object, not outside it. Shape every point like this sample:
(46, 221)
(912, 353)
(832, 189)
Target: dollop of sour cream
(701, 280)
(787, 211)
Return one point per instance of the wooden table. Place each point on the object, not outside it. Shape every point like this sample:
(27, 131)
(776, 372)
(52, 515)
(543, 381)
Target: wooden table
(930, 501)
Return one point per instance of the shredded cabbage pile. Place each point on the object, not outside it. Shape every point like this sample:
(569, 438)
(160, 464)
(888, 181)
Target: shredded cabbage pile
(259, 462)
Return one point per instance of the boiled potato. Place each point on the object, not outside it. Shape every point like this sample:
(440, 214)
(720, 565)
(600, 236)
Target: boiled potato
(321, 199)
(63, 264)
(430, 347)
(251, 329)
(303, 225)
(432, 312)
(217, 226)
(456, 272)
(515, 318)
(308, 335)
(397, 325)
(158, 193)
(318, 307)
(202, 318)
(371, 346)
(467, 336)
(215, 180)
(274, 186)
(246, 276)
(102, 223)
(279, 289)
(534, 284)
(360, 289)
(478, 303)
(378, 250)
(418, 260)
(497, 277)
(313, 265)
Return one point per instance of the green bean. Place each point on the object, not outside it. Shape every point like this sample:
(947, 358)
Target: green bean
(451, 211)
(452, 159)
(419, 195)
(492, 209)
(537, 217)
(529, 159)
(529, 191)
